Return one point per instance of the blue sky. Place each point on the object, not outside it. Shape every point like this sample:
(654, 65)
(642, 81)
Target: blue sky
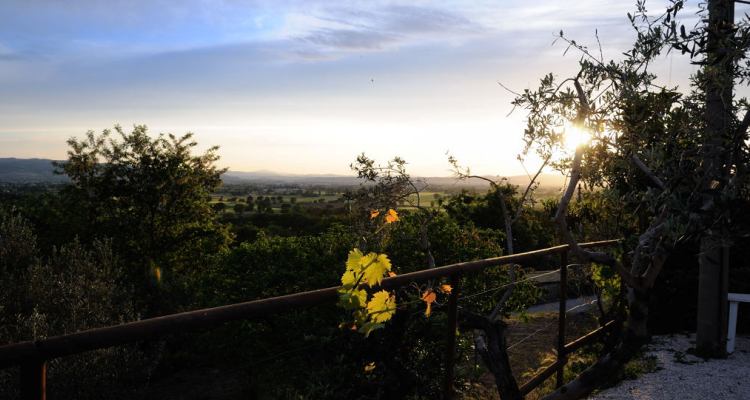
(291, 86)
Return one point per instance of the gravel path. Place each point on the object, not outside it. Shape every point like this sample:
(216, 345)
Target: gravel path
(684, 377)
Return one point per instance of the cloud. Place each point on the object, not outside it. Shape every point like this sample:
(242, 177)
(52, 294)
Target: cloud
(6, 54)
(411, 19)
(350, 39)
(378, 28)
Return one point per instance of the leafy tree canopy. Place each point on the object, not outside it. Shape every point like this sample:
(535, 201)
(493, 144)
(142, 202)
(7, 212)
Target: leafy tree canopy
(150, 194)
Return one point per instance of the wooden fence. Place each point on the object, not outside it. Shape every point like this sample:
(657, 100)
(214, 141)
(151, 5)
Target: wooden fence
(32, 356)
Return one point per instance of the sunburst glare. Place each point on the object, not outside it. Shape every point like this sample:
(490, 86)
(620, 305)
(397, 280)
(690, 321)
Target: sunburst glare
(574, 136)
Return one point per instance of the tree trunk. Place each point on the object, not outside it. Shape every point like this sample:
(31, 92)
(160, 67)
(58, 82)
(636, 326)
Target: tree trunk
(712, 290)
(491, 346)
(712, 297)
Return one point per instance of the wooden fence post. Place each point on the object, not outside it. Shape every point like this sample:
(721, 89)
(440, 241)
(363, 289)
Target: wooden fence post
(34, 380)
(561, 356)
(450, 344)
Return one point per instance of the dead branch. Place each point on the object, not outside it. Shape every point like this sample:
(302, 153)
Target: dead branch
(528, 189)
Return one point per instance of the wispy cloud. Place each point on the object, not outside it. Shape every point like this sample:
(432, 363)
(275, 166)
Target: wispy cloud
(6, 54)
(350, 39)
(379, 28)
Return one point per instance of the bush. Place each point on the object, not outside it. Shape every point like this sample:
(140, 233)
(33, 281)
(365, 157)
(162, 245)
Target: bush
(72, 290)
(303, 353)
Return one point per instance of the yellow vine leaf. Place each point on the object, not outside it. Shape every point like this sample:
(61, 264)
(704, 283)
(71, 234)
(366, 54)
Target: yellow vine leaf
(352, 299)
(377, 268)
(445, 288)
(392, 216)
(374, 214)
(348, 279)
(428, 297)
(382, 306)
(359, 297)
(369, 367)
(366, 269)
(354, 260)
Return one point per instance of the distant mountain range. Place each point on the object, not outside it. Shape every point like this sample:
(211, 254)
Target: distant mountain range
(28, 170)
(37, 170)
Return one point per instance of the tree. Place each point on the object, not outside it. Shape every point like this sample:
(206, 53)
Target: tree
(239, 208)
(647, 141)
(219, 207)
(150, 195)
(489, 336)
(716, 145)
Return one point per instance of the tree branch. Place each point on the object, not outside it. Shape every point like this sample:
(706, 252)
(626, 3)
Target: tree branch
(528, 189)
(646, 170)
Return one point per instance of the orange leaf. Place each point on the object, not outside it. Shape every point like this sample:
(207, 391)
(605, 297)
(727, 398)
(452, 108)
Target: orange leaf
(392, 216)
(428, 297)
(374, 214)
(446, 288)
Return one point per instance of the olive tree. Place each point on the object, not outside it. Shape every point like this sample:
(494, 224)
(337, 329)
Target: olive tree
(677, 159)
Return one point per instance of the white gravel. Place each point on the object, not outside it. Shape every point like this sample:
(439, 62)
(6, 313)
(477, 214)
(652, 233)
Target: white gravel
(684, 377)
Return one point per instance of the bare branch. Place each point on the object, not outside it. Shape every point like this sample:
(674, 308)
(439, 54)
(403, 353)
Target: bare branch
(500, 306)
(507, 223)
(425, 243)
(508, 89)
(528, 189)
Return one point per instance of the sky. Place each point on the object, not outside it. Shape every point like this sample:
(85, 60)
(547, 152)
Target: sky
(296, 87)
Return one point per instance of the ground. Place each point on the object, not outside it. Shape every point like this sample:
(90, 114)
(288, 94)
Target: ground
(531, 340)
(679, 375)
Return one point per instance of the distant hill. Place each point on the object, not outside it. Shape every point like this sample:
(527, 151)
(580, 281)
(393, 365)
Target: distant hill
(37, 170)
(28, 170)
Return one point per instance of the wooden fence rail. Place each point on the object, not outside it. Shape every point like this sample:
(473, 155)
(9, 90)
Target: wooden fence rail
(32, 356)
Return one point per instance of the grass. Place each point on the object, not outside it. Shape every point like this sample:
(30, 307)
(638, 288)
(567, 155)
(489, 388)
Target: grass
(276, 205)
(641, 364)
(427, 199)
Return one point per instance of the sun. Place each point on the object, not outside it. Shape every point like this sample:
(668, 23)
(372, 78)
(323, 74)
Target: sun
(574, 136)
